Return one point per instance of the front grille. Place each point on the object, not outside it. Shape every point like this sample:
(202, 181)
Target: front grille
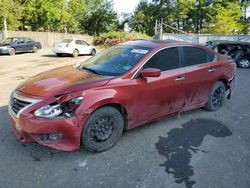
(18, 104)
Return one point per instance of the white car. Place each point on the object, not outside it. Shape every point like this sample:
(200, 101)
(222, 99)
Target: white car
(74, 47)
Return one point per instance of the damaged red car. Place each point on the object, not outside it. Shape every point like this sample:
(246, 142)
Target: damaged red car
(123, 87)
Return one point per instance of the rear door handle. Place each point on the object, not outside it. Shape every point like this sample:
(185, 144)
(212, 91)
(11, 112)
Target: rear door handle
(211, 70)
(180, 78)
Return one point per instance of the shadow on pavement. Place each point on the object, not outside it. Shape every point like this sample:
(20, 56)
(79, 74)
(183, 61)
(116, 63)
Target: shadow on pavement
(180, 143)
(18, 53)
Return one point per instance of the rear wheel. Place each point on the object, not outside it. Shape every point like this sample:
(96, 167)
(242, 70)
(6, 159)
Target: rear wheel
(75, 53)
(103, 129)
(244, 63)
(93, 52)
(216, 97)
(35, 49)
(12, 51)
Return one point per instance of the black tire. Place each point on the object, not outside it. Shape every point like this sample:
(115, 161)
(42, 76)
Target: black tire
(75, 53)
(93, 52)
(216, 97)
(59, 55)
(243, 63)
(35, 49)
(12, 51)
(103, 129)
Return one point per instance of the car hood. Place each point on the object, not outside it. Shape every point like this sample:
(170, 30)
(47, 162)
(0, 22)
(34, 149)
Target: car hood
(4, 45)
(61, 80)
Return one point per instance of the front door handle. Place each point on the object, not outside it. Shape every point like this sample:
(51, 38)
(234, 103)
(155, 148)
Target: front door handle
(211, 70)
(180, 78)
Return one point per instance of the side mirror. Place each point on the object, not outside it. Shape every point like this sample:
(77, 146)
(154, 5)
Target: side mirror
(150, 72)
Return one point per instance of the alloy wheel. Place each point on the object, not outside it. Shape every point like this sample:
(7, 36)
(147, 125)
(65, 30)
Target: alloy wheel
(244, 63)
(75, 53)
(35, 49)
(217, 97)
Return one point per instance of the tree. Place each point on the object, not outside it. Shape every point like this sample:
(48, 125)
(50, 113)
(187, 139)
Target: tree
(227, 19)
(13, 12)
(189, 15)
(144, 17)
(99, 19)
(245, 20)
(78, 9)
(48, 15)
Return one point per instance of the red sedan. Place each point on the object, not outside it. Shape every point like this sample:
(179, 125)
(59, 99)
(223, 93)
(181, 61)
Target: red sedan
(123, 87)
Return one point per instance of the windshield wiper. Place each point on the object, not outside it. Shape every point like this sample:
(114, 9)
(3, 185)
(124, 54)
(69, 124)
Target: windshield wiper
(91, 70)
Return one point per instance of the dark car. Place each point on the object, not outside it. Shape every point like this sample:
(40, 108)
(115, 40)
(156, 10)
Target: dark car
(121, 88)
(239, 51)
(15, 45)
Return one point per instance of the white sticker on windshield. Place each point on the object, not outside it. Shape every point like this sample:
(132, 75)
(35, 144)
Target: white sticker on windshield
(139, 51)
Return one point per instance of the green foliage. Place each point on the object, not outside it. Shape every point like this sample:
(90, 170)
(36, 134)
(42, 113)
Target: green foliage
(100, 19)
(199, 16)
(75, 16)
(13, 12)
(97, 16)
(226, 21)
(49, 15)
(143, 19)
(113, 38)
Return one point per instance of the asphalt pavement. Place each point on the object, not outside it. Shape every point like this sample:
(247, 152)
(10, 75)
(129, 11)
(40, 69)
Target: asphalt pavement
(197, 149)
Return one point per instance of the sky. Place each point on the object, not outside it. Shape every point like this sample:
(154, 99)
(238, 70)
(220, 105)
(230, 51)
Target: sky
(126, 6)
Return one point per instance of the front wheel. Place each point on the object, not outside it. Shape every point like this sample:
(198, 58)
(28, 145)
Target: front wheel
(12, 51)
(216, 97)
(103, 129)
(244, 63)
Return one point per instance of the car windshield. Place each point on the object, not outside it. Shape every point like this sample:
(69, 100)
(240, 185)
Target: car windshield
(116, 60)
(67, 40)
(7, 41)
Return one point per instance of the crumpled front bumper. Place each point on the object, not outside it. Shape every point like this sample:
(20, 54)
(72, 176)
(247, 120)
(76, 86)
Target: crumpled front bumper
(28, 128)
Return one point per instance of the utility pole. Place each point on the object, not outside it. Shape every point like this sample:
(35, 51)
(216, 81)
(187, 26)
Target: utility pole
(5, 28)
(161, 29)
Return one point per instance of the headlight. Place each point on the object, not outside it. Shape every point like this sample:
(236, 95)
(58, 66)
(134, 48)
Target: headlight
(64, 109)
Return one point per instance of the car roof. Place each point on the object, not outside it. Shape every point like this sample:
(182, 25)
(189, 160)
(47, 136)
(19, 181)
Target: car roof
(154, 43)
(229, 42)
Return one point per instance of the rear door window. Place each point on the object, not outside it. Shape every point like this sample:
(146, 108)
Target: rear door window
(28, 41)
(211, 57)
(78, 42)
(194, 56)
(84, 43)
(20, 41)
